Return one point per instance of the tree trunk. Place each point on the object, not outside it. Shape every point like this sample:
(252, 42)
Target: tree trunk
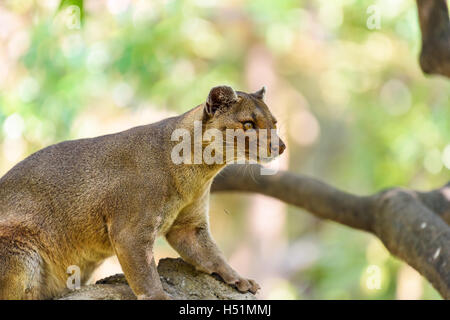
(179, 279)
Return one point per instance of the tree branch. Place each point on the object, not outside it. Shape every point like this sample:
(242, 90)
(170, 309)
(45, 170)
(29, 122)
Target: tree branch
(435, 27)
(413, 226)
(179, 279)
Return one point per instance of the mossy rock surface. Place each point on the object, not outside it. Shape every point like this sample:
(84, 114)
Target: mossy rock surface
(179, 279)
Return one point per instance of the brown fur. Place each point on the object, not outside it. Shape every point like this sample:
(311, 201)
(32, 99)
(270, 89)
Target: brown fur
(79, 202)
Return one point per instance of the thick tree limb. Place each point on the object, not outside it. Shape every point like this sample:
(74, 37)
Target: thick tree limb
(179, 279)
(435, 27)
(413, 226)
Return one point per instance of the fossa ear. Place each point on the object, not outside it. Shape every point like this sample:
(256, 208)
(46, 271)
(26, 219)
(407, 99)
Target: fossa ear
(260, 93)
(220, 97)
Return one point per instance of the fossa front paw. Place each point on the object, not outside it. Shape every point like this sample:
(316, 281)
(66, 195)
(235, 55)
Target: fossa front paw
(244, 285)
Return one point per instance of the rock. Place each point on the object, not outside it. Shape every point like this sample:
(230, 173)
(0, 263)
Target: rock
(179, 279)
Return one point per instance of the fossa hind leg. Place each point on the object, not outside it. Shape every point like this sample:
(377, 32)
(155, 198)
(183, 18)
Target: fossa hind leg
(20, 273)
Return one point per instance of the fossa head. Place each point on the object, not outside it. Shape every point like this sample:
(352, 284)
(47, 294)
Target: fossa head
(230, 111)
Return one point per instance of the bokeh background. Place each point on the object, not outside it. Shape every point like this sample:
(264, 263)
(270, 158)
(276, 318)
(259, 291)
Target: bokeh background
(352, 103)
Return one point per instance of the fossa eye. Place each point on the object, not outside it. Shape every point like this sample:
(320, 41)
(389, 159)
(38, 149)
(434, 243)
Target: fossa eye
(248, 125)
